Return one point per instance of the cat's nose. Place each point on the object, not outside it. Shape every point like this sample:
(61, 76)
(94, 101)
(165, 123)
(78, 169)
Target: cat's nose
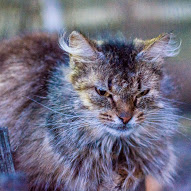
(125, 117)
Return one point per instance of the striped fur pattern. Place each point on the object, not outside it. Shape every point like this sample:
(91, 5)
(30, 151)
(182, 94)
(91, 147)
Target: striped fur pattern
(64, 114)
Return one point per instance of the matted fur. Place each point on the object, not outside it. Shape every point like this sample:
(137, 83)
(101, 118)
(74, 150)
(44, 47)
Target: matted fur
(64, 135)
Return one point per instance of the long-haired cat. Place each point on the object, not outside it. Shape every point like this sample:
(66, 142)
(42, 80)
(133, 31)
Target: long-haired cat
(94, 121)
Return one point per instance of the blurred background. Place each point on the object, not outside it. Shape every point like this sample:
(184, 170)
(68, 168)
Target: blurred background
(132, 18)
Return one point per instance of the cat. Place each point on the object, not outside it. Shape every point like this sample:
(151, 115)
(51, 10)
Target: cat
(88, 115)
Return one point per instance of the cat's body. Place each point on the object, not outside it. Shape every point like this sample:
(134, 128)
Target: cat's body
(100, 124)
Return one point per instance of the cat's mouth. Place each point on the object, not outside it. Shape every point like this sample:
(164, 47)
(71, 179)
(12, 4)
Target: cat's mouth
(120, 130)
(117, 128)
(124, 127)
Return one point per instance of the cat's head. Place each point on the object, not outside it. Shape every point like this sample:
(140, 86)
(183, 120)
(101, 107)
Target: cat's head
(119, 81)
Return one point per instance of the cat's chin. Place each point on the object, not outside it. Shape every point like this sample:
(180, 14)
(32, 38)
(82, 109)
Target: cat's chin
(121, 130)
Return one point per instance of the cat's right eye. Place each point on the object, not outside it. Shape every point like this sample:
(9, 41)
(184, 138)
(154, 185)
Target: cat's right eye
(143, 93)
(102, 92)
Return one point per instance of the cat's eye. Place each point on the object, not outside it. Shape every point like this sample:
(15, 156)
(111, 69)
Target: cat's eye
(102, 92)
(143, 93)
(135, 102)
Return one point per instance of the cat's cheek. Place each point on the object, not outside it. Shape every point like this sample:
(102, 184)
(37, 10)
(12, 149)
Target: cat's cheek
(87, 101)
(138, 102)
(160, 105)
(138, 117)
(132, 122)
(117, 121)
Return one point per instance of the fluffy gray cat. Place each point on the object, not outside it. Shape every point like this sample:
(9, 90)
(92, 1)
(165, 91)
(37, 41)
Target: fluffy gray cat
(94, 121)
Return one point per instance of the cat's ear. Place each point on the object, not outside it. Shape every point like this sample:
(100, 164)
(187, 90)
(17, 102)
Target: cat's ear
(79, 48)
(156, 49)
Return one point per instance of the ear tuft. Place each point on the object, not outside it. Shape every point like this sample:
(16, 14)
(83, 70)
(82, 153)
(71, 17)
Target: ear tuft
(79, 47)
(156, 49)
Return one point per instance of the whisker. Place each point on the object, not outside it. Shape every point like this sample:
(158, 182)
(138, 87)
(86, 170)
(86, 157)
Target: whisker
(44, 105)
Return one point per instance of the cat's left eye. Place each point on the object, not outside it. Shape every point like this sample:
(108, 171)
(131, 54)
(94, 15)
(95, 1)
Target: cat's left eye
(102, 92)
(143, 93)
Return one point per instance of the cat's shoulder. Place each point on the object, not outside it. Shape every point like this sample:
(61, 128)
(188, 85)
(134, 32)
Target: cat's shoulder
(38, 43)
(30, 50)
(27, 61)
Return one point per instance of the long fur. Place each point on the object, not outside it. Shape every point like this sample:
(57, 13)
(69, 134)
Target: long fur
(57, 138)
(168, 46)
(81, 49)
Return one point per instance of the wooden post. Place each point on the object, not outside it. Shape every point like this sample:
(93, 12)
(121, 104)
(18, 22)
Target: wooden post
(6, 161)
(9, 179)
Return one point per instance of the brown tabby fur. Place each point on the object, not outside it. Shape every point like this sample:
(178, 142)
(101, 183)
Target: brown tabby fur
(64, 135)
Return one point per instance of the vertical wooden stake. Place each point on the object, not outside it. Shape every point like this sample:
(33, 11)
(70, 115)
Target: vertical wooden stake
(6, 161)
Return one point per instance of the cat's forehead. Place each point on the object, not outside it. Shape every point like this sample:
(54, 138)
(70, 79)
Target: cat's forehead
(119, 58)
(115, 74)
(123, 82)
(116, 80)
(119, 53)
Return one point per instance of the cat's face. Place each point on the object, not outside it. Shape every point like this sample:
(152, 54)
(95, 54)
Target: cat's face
(120, 83)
